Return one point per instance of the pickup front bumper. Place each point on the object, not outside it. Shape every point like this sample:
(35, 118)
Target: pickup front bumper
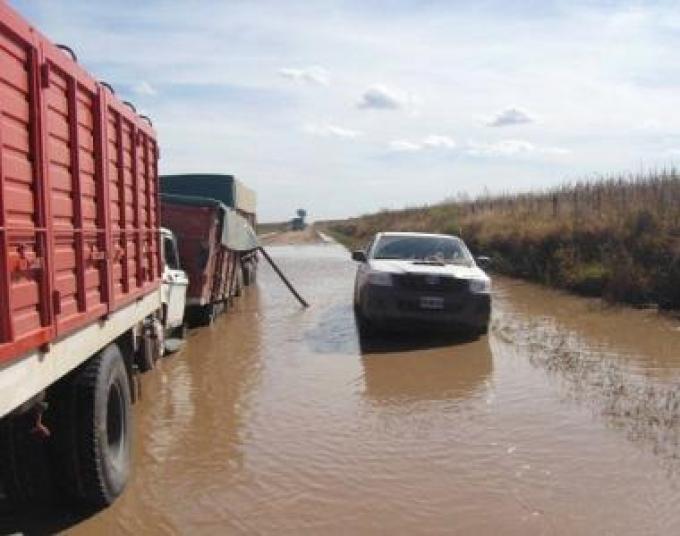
(389, 306)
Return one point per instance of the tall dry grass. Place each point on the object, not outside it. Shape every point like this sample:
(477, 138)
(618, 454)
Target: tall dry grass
(615, 237)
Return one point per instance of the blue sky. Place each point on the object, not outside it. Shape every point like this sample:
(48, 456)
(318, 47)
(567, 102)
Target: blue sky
(347, 106)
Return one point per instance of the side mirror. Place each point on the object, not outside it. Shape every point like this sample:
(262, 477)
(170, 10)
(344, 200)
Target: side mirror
(359, 256)
(483, 261)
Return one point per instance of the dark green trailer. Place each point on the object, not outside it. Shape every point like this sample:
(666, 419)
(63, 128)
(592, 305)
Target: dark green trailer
(224, 188)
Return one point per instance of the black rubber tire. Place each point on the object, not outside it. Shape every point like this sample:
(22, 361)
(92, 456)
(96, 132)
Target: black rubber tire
(206, 315)
(482, 330)
(24, 465)
(246, 271)
(101, 430)
(249, 273)
(238, 283)
(180, 332)
(364, 325)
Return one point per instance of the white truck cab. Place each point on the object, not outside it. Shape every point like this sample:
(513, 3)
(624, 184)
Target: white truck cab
(174, 285)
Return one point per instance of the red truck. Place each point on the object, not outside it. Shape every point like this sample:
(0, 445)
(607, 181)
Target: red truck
(229, 191)
(80, 269)
(213, 240)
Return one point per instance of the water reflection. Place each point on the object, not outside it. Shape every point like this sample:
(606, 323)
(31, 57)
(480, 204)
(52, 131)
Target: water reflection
(447, 372)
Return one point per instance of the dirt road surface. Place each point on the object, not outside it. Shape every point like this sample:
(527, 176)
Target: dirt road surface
(308, 236)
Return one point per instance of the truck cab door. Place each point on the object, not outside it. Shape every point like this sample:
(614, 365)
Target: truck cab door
(174, 284)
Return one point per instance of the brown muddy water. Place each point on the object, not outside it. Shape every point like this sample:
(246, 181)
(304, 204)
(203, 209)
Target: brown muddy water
(564, 420)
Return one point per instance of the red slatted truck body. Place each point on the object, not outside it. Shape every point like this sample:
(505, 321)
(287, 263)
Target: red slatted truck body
(213, 268)
(80, 264)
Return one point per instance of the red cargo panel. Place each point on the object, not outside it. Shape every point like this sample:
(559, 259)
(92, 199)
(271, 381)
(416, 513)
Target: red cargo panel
(23, 284)
(196, 232)
(209, 264)
(79, 222)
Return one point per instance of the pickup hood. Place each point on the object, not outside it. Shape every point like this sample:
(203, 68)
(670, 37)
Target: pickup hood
(410, 267)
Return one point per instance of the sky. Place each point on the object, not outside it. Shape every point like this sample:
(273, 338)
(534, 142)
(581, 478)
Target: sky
(345, 107)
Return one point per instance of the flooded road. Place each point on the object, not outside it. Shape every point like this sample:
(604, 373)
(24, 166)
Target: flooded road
(564, 420)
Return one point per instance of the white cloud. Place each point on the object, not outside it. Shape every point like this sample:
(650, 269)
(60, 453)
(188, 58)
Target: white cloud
(404, 146)
(327, 130)
(438, 142)
(379, 97)
(144, 88)
(431, 142)
(500, 149)
(510, 148)
(510, 116)
(308, 75)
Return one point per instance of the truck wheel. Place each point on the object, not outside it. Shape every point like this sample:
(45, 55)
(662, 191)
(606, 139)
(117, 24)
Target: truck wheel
(24, 471)
(238, 283)
(180, 332)
(206, 315)
(102, 429)
(153, 346)
(248, 270)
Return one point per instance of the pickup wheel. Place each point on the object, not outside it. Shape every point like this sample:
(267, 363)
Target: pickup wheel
(101, 429)
(482, 330)
(364, 325)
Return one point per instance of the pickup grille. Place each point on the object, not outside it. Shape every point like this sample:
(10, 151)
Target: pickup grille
(429, 283)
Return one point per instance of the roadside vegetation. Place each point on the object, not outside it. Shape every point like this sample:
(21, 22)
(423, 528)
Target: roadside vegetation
(618, 238)
(272, 227)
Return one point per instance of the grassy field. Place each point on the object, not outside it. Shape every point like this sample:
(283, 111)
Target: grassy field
(618, 238)
(272, 227)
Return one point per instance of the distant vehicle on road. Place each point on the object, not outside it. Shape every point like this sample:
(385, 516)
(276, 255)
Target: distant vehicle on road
(419, 278)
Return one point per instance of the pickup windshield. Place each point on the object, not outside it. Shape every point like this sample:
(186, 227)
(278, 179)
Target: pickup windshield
(426, 249)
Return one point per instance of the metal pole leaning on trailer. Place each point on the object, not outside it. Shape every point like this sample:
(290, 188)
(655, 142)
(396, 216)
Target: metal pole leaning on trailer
(283, 277)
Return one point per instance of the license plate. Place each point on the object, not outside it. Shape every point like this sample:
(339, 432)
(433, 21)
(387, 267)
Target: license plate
(432, 303)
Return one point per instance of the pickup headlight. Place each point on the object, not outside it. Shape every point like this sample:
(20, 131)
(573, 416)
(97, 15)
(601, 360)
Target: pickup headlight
(480, 286)
(382, 279)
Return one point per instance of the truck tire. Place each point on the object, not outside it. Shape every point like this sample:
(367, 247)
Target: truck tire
(206, 315)
(101, 429)
(180, 332)
(24, 471)
(238, 283)
(248, 274)
(153, 346)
